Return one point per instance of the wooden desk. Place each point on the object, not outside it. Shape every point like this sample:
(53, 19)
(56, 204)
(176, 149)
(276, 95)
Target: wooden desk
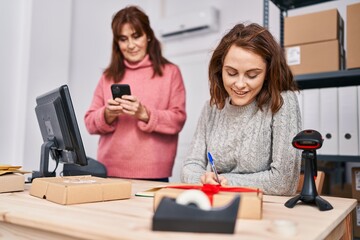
(22, 215)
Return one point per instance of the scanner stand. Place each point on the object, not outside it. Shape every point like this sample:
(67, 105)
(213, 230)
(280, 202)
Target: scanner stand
(309, 194)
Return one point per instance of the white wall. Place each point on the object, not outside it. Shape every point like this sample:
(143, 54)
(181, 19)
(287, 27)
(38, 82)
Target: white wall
(14, 41)
(46, 43)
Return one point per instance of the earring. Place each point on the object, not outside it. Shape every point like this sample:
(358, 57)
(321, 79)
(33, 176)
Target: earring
(149, 39)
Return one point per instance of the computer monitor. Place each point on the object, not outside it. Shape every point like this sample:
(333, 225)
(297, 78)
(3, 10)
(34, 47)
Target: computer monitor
(59, 130)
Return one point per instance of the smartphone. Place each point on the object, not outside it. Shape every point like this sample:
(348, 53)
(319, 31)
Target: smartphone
(118, 90)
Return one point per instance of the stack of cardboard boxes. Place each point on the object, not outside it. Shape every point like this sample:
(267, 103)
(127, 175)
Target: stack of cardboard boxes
(315, 42)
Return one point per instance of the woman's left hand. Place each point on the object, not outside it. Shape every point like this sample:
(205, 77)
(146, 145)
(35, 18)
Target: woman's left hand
(132, 106)
(210, 178)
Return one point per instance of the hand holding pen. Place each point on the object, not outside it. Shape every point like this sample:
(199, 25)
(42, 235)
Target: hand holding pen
(213, 177)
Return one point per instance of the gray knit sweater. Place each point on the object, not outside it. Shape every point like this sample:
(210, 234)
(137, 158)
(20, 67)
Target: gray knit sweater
(250, 147)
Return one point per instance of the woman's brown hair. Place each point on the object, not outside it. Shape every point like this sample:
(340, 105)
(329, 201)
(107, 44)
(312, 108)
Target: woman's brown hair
(258, 40)
(141, 24)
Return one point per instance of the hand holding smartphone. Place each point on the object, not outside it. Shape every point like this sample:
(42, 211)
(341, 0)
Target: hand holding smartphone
(118, 90)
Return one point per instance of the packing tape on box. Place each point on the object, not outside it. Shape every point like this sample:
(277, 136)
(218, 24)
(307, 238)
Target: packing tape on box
(195, 197)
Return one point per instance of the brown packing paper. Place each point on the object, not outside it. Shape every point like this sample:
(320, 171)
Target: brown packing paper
(4, 169)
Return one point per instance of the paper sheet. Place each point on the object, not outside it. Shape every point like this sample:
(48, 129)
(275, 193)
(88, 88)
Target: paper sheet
(11, 169)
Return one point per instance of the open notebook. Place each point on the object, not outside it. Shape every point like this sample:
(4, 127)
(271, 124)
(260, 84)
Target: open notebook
(149, 192)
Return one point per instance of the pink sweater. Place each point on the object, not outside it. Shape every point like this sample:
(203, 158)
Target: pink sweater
(134, 149)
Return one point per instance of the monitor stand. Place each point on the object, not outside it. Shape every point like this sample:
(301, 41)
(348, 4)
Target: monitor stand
(44, 162)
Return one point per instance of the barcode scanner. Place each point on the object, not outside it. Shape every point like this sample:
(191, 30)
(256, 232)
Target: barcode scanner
(308, 141)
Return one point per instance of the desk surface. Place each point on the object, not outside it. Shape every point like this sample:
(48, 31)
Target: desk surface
(23, 215)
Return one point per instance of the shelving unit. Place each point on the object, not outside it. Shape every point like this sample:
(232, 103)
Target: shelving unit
(338, 158)
(341, 78)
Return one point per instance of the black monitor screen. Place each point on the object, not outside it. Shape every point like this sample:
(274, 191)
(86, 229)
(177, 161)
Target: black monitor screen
(59, 130)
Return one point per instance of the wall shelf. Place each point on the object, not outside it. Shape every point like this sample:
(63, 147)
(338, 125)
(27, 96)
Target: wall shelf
(342, 78)
(284, 5)
(338, 158)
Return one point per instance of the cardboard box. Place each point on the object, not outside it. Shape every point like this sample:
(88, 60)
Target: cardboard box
(250, 202)
(314, 27)
(341, 190)
(314, 58)
(355, 174)
(353, 36)
(80, 189)
(12, 182)
(356, 221)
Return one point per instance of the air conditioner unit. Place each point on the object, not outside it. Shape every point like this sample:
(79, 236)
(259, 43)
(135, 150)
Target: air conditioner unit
(189, 24)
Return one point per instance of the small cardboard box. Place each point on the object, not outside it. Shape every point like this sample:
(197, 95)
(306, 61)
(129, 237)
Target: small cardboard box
(341, 190)
(356, 221)
(250, 202)
(355, 173)
(353, 36)
(314, 27)
(80, 189)
(316, 57)
(12, 182)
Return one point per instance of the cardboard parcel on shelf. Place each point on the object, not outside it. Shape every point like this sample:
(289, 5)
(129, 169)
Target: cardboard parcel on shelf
(314, 27)
(251, 199)
(80, 189)
(353, 36)
(317, 57)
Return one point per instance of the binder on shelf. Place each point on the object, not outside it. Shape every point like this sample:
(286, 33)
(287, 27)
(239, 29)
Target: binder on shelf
(311, 109)
(348, 121)
(329, 123)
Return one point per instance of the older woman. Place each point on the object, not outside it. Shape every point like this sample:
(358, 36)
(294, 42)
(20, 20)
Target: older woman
(138, 132)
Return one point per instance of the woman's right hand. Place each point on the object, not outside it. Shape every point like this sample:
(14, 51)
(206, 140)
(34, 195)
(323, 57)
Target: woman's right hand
(112, 110)
(210, 178)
